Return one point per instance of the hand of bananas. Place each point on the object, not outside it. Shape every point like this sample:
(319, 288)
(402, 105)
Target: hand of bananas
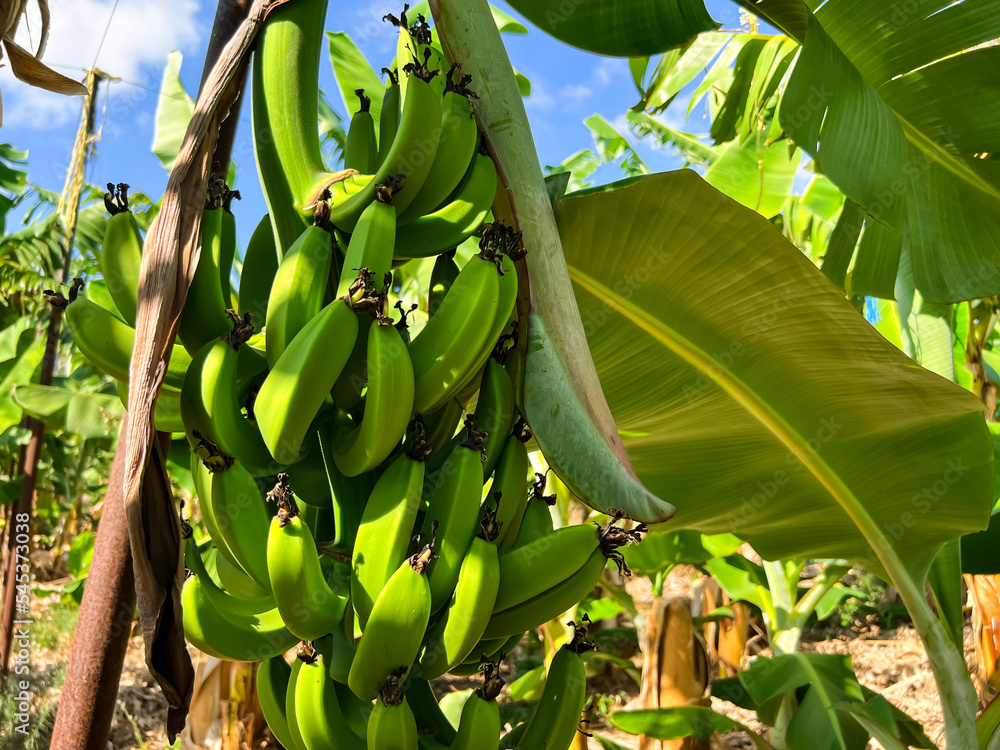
(377, 551)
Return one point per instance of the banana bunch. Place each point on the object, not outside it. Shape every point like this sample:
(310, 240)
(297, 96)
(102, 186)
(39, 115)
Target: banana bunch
(362, 479)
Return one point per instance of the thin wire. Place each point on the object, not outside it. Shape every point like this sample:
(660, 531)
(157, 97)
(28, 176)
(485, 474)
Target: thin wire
(105, 34)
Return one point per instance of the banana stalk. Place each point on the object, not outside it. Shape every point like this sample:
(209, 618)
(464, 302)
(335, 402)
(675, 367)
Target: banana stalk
(561, 396)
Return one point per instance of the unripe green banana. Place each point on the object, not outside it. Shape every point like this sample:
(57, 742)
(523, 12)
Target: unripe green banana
(299, 287)
(465, 617)
(308, 605)
(121, 252)
(342, 648)
(455, 151)
(510, 479)
(479, 727)
(210, 403)
(273, 676)
(318, 712)
(388, 403)
(166, 412)
(227, 248)
(395, 627)
(108, 342)
(242, 519)
(361, 149)
(443, 275)
(297, 385)
(350, 386)
(442, 424)
(557, 716)
(260, 266)
(495, 412)
(392, 725)
(387, 526)
(290, 715)
(536, 521)
(204, 317)
(202, 478)
(450, 342)
(227, 627)
(373, 238)
(237, 583)
(454, 512)
(389, 117)
(453, 223)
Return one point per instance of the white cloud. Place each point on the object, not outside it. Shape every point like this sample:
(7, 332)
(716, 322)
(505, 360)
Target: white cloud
(139, 36)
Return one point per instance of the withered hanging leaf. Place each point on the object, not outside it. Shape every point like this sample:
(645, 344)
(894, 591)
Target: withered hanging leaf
(28, 68)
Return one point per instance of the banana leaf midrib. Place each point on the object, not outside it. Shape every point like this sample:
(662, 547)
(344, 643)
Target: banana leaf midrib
(741, 393)
(948, 161)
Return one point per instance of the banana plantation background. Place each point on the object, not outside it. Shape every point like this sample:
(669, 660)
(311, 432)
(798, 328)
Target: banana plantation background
(795, 334)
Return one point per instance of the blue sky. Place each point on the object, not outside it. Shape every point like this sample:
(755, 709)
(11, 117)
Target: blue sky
(567, 86)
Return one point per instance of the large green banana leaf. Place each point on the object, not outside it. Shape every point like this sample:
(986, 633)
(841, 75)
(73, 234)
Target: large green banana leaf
(753, 397)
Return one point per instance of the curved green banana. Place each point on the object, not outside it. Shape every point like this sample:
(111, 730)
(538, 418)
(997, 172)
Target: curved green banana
(495, 412)
(204, 317)
(242, 519)
(210, 405)
(227, 249)
(551, 603)
(342, 648)
(480, 727)
(443, 275)
(238, 583)
(395, 628)
(108, 342)
(557, 716)
(227, 600)
(121, 252)
(510, 479)
(536, 521)
(372, 240)
(318, 713)
(456, 148)
(260, 266)
(532, 569)
(290, 716)
(442, 424)
(391, 725)
(201, 475)
(450, 342)
(273, 677)
(361, 149)
(453, 223)
(388, 403)
(454, 513)
(458, 631)
(386, 527)
(490, 648)
(349, 389)
(309, 606)
(388, 121)
(296, 295)
(296, 388)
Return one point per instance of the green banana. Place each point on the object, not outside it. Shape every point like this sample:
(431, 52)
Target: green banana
(373, 238)
(210, 403)
(121, 252)
(448, 345)
(458, 631)
(479, 727)
(260, 265)
(387, 525)
(166, 412)
(510, 480)
(395, 627)
(453, 223)
(536, 521)
(495, 412)
(342, 650)
(108, 342)
(201, 475)
(389, 117)
(557, 716)
(242, 519)
(443, 275)
(568, 583)
(430, 718)
(273, 676)
(238, 583)
(299, 287)
(454, 512)
(304, 651)
(361, 149)
(348, 391)
(227, 247)
(227, 627)
(388, 403)
(204, 317)
(392, 725)
(296, 388)
(308, 605)
(318, 712)
(456, 148)
(442, 424)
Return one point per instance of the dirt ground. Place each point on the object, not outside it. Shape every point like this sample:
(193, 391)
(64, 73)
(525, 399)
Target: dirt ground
(890, 661)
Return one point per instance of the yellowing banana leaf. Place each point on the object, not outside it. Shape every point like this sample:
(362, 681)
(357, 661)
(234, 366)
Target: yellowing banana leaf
(89, 415)
(752, 396)
(620, 28)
